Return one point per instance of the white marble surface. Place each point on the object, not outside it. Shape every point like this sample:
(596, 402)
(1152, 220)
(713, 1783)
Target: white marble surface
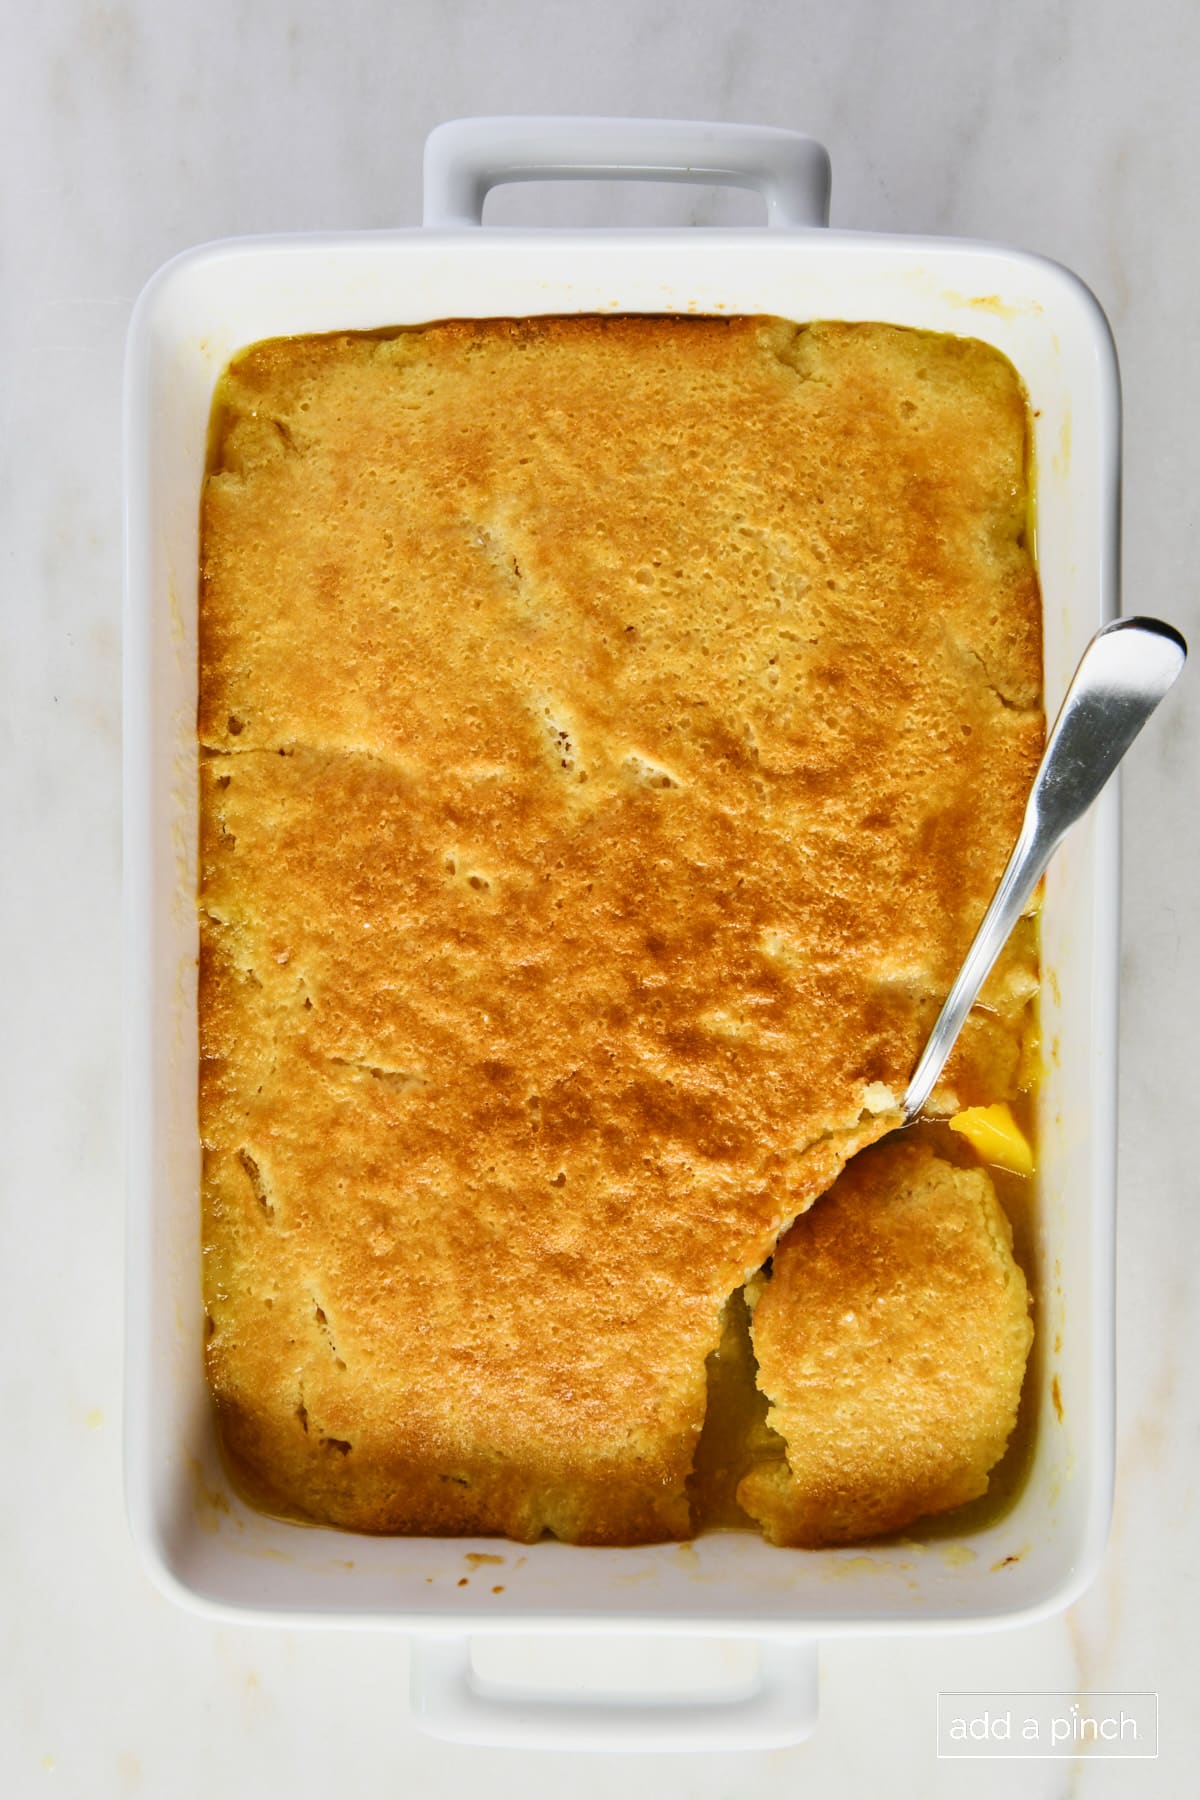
(132, 131)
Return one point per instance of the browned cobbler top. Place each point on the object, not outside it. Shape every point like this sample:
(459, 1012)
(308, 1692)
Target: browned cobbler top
(892, 1339)
(613, 729)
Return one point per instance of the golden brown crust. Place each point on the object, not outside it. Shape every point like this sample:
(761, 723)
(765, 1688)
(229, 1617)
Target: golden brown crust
(891, 1341)
(613, 731)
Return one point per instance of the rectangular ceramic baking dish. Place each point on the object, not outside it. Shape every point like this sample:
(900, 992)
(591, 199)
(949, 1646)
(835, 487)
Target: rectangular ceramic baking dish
(199, 1541)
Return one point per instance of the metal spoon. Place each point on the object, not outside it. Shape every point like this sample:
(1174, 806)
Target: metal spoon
(1123, 674)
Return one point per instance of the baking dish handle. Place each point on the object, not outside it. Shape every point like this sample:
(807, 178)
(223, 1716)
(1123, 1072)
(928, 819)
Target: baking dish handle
(451, 1701)
(466, 157)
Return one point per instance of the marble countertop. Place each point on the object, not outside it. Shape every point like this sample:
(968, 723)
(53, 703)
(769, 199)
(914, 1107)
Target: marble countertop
(131, 131)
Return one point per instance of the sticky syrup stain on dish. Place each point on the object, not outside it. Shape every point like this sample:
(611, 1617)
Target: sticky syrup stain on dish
(175, 612)
(209, 1503)
(927, 283)
(635, 1577)
(842, 1567)
(957, 1556)
(992, 303)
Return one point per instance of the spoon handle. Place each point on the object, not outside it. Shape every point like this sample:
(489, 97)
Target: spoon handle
(1123, 674)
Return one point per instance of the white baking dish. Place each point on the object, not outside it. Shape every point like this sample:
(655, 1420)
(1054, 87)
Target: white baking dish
(199, 1541)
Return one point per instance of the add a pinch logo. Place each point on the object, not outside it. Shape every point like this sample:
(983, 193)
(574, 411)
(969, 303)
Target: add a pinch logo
(1038, 1725)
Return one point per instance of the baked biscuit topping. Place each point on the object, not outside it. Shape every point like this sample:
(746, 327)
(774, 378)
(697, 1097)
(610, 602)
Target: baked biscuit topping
(612, 731)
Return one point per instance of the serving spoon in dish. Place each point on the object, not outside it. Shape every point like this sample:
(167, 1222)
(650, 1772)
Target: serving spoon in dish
(1123, 674)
